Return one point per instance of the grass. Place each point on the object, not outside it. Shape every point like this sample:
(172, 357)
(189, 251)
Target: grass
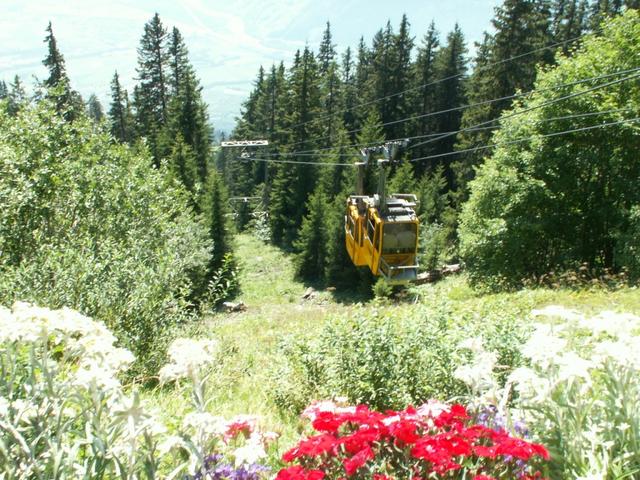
(275, 309)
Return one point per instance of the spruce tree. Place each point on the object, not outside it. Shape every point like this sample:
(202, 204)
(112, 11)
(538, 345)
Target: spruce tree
(183, 164)
(326, 52)
(4, 90)
(214, 207)
(120, 116)
(450, 62)
(17, 96)
(190, 119)
(311, 246)
(68, 102)
(179, 65)
(350, 92)
(150, 95)
(424, 94)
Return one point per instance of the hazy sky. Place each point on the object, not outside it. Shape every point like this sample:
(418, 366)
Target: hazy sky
(227, 40)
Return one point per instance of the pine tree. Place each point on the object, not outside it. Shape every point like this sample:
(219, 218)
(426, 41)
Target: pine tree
(4, 91)
(120, 116)
(94, 108)
(568, 21)
(150, 95)
(68, 102)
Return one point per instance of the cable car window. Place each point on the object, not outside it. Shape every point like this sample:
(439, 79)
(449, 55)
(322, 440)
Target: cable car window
(370, 230)
(351, 225)
(399, 238)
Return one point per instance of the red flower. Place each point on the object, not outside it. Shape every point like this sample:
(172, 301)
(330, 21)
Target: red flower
(311, 447)
(405, 431)
(298, 473)
(351, 465)
(483, 477)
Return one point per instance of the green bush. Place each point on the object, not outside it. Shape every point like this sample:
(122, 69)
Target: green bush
(92, 225)
(559, 201)
(387, 360)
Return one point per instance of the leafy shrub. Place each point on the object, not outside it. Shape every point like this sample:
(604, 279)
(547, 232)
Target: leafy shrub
(91, 225)
(382, 288)
(386, 360)
(558, 201)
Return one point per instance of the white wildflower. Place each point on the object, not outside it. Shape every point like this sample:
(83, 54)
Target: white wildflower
(94, 375)
(544, 346)
(571, 365)
(250, 452)
(529, 385)
(557, 311)
(205, 423)
(170, 443)
(475, 344)
(479, 374)
(618, 325)
(187, 357)
(4, 407)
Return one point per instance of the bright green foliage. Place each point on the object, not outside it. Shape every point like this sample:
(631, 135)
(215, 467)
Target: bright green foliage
(91, 225)
(384, 359)
(561, 200)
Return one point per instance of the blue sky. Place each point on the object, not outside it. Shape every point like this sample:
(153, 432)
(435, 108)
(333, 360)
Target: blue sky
(227, 40)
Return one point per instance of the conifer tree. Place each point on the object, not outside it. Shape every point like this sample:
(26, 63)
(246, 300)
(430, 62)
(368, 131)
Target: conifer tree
(120, 116)
(450, 62)
(311, 246)
(183, 164)
(150, 95)
(68, 102)
(350, 92)
(522, 26)
(179, 64)
(326, 52)
(4, 91)
(189, 118)
(17, 96)
(424, 95)
(94, 108)
(214, 207)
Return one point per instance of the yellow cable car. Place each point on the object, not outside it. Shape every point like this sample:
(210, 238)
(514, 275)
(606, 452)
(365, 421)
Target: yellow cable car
(382, 232)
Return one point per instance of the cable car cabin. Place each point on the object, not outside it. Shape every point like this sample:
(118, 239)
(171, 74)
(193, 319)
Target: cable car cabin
(384, 238)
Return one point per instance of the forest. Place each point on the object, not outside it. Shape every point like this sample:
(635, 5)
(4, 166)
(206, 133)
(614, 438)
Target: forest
(174, 308)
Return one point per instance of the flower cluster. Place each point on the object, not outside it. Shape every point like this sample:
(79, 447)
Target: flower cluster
(579, 393)
(432, 441)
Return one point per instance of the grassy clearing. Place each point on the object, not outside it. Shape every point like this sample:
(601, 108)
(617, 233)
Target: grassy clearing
(275, 309)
